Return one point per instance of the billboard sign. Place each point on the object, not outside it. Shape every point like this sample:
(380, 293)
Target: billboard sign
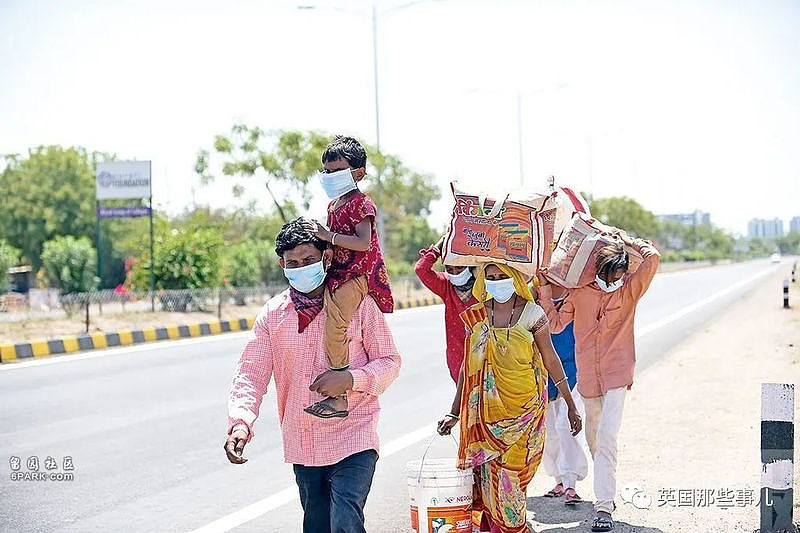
(123, 179)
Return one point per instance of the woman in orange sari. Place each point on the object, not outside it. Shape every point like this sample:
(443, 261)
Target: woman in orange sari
(502, 396)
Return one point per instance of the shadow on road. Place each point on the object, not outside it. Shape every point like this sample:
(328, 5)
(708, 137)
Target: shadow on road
(551, 515)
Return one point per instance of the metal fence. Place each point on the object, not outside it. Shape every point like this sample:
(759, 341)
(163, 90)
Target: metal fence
(47, 303)
(51, 304)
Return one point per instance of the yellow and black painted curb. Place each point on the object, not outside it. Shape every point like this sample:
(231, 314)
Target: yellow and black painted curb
(123, 337)
(126, 337)
(417, 302)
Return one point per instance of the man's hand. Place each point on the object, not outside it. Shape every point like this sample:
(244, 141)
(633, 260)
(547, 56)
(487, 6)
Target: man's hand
(542, 275)
(626, 239)
(317, 229)
(234, 447)
(332, 383)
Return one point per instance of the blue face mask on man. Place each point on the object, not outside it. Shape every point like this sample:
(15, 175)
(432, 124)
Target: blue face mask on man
(306, 279)
(337, 183)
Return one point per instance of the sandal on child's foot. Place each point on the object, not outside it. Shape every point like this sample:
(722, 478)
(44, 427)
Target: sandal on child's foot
(327, 409)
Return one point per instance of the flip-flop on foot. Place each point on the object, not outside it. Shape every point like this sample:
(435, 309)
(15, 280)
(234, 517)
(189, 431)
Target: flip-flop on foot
(325, 409)
(555, 492)
(571, 498)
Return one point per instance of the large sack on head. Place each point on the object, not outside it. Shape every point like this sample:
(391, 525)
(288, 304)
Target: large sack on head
(556, 215)
(572, 263)
(519, 229)
(501, 229)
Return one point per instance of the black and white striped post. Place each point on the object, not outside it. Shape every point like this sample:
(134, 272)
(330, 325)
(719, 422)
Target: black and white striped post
(777, 457)
(786, 294)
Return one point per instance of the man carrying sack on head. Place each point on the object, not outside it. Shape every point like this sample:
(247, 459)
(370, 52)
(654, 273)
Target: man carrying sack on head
(603, 313)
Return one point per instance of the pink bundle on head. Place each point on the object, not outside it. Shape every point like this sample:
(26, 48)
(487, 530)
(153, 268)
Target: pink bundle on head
(573, 263)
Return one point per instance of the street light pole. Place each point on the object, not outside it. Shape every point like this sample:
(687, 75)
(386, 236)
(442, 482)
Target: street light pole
(374, 10)
(375, 77)
(380, 220)
(519, 138)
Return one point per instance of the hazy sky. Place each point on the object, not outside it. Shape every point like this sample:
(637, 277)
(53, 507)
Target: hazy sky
(681, 105)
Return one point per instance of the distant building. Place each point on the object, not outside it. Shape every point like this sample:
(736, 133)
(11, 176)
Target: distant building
(698, 218)
(765, 229)
(794, 225)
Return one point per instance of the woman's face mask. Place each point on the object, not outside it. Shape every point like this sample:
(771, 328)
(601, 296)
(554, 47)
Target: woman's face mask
(500, 289)
(337, 183)
(306, 279)
(608, 287)
(459, 279)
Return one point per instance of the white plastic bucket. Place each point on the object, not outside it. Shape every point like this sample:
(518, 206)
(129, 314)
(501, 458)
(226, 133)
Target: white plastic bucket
(441, 496)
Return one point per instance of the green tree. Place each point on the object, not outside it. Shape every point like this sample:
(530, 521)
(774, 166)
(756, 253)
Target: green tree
(187, 258)
(271, 272)
(241, 266)
(625, 213)
(48, 193)
(758, 247)
(404, 197)
(9, 257)
(789, 244)
(69, 264)
(673, 235)
(290, 157)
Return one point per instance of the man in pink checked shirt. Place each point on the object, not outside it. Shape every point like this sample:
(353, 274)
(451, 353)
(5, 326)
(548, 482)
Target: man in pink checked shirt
(334, 459)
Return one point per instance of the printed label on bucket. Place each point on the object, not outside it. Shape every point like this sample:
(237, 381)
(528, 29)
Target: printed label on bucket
(445, 519)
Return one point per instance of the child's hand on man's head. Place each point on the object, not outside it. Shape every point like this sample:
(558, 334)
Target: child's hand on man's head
(317, 229)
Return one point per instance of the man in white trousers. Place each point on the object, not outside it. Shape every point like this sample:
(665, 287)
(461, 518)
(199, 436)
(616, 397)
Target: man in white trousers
(605, 356)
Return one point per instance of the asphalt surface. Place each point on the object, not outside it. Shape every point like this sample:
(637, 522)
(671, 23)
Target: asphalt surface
(144, 426)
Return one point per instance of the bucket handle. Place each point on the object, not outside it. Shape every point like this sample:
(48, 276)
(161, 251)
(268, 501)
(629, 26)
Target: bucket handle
(424, 455)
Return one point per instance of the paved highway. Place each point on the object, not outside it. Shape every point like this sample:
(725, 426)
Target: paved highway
(144, 425)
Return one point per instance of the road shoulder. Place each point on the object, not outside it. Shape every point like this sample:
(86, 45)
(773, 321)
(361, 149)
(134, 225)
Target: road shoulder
(690, 437)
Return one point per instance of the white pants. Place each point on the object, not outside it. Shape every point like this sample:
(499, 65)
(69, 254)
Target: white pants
(603, 420)
(563, 458)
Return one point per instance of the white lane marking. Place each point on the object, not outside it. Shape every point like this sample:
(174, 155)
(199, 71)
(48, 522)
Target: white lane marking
(144, 347)
(290, 493)
(677, 315)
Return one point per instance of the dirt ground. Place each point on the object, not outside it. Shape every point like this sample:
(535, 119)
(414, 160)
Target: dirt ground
(691, 427)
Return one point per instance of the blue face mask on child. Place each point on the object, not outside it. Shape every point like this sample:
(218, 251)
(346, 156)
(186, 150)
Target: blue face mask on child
(305, 279)
(337, 183)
